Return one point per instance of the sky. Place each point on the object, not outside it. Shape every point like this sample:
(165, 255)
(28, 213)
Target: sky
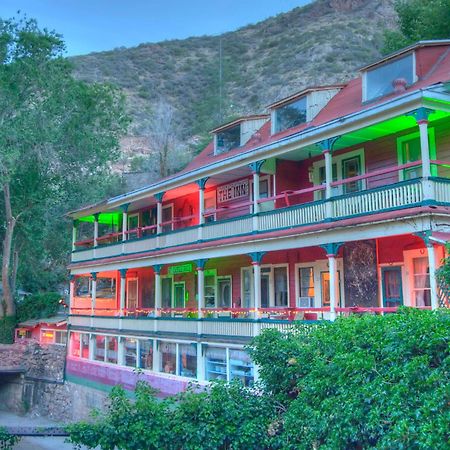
(97, 25)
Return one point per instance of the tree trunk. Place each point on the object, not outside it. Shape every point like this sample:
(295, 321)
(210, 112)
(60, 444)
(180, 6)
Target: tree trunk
(8, 295)
(15, 267)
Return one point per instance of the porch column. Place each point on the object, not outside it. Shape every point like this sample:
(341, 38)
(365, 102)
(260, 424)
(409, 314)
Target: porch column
(200, 363)
(421, 116)
(74, 234)
(425, 236)
(124, 209)
(71, 290)
(201, 199)
(332, 251)
(123, 285)
(159, 199)
(121, 351)
(327, 146)
(93, 291)
(255, 167)
(256, 263)
(157, 269)
(92, 343)
(96, 216)
(200, 286)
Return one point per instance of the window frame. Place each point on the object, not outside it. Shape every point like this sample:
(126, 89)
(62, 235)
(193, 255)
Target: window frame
(273, 114)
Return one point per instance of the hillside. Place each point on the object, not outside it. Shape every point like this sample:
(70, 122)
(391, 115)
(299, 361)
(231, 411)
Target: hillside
(321, 43)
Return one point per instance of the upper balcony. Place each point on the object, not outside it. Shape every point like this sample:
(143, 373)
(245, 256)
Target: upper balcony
(378, 169)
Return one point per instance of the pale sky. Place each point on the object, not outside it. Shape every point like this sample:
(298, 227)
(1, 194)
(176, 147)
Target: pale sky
(96, 25)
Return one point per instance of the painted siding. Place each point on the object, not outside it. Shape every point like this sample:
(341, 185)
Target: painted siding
(292, 176)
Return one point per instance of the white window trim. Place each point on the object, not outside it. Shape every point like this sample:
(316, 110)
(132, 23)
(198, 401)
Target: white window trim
(337, 159)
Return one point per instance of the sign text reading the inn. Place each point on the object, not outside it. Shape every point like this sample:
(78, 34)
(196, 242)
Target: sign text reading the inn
(233, 191)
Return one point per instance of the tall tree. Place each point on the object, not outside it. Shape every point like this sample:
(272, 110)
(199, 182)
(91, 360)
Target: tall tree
(56, 135)
(419, 20)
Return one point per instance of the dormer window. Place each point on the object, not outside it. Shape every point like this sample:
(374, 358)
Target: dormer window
(228, 139)
(383, 79)
(290, 115)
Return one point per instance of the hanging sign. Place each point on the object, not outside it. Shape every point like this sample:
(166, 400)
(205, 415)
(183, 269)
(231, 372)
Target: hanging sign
(233, 191)
(182, 268)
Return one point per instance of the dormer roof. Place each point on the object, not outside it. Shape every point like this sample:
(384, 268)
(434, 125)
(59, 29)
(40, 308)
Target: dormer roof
(238, 121)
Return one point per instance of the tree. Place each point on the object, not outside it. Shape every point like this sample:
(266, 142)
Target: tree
(57, 135)
(418, 20)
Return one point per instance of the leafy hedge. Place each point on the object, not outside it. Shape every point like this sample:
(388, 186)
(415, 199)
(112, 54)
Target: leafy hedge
(360, 382)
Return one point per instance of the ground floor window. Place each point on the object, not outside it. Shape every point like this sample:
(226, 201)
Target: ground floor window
(99, 348)
(305, 287)
(168, 358)
(216, 363)
(187, 360)
(146, 354)
(421, 281)
(130, 347)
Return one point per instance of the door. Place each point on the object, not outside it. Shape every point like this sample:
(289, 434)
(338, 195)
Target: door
(265, 288)
(224, 292)
(351, 167)
(178, 294)
(132, 294)
(167, 218)
(391, 280)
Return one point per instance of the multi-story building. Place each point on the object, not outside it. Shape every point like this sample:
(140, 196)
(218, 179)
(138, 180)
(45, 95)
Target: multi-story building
(336, 201)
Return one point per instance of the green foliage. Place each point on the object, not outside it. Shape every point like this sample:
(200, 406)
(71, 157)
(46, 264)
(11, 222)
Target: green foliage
(419, 20)
(7, 440)
(7, 325)
(38, 306)
(363, 382)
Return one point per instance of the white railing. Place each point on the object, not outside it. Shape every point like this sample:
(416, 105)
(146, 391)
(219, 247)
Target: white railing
(442, 190)
(209, 327)
(241, 225)
(378, 200)
(294, 216)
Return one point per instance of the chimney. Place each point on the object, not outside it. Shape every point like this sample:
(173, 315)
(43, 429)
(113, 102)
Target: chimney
(399, 85)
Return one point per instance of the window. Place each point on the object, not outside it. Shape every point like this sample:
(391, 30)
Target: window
(133, 224)
(106, 288)
(130, 347)
(99, 352)
(146, 354)
(84, 346)
(305, 287)
(111, 354)
(351, 167)
(247, 287)
(132, 294)
(224, 292)
(60, 337)
(281, 286)
(241, 367)
(166, 292)
(210, 206)
(379, 80)
(187, 360)
(408, 150)
(167, 218)
(228, 364)
(168, 357)
(421, 281)
(290, 115)
(210, 289)
(75, 344)
(228, 139)
(178, 294)
(325, 288)
(216, 363)
(82, 287)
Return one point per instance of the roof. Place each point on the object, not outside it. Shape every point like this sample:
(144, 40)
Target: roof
(405, 50)
(346, 103)
(239, 120)
(304, 92)
(55, 320)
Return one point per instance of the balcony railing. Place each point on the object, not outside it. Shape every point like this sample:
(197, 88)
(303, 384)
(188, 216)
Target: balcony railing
(394, 196)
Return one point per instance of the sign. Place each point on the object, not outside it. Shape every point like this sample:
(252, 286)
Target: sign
(233, 191)
(182, 268)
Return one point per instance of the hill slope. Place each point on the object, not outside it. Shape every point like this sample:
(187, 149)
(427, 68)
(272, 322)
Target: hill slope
(322, 43)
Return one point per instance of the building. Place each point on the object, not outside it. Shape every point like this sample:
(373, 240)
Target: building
(336, 201)
(51, 330)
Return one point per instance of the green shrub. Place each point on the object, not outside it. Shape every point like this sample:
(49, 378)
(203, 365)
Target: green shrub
(37, 306)
(7, 325)
(7, 441)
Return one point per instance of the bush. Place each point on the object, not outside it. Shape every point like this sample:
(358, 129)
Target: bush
(7, 325)
(7, 441)
(37, 306)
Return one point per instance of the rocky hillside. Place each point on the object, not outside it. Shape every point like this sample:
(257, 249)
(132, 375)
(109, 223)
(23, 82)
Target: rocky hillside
(323, 42)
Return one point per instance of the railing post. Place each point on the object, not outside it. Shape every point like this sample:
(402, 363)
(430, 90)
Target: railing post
(124, 209)
(327, 146)
(158, 292)
(331, 252)
(425, 236)
(255, 167)
(74, 233)
(123, 281)
(159, 199)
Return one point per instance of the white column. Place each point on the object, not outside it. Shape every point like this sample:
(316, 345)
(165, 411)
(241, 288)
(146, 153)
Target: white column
(95, 230)
(257, 285)
(120, 351)
(255, 192)
(91, 346)
(123, 285)
(93, 292)
(201, 205)
(159, 217)
(328, 173)
(71, 290)
(424, 148)
(74, 234)
(334, 284)
(433, 283)
(124, 225)
(201, 290)
(200, 363)
(156, 357)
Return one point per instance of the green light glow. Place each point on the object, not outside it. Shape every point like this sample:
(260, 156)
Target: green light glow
(107, 218)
